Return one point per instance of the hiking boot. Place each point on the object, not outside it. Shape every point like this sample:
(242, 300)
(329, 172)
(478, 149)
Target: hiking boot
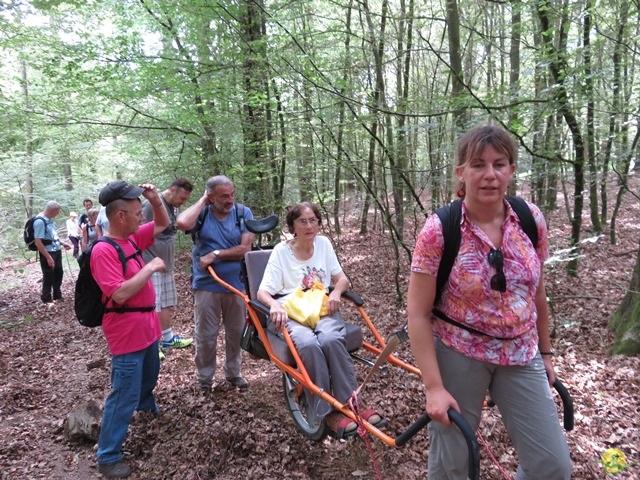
(238, 382)
(177, 342)
(114, 470)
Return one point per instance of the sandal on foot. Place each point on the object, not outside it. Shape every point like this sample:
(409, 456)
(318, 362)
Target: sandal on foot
(340, 425)
(373, 417)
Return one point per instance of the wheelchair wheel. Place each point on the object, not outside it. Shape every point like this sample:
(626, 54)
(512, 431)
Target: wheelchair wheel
(297, 402)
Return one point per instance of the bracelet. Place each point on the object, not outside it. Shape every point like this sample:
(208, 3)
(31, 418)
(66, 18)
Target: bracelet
(547, 353)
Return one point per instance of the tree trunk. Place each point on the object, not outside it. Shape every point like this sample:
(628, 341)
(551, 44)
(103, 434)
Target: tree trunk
(455, 60)
(625, 321)
(341, 124)
(278, 169)
(514, 73)
(616, 102)
(558, 68)
(591, 143)
(28, 155)
(255, 89)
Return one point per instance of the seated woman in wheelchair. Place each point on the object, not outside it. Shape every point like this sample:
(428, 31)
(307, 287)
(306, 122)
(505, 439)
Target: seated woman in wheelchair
(303, 260)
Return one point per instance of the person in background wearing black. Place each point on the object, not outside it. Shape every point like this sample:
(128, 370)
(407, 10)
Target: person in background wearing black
(84, 217)
(49, 245)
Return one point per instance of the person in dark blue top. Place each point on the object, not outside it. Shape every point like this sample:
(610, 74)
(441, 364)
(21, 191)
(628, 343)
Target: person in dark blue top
(221, 240)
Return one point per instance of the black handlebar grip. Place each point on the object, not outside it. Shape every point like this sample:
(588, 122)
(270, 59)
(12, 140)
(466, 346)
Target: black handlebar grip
(464, 427)
(567, 403)
(414, 428)
(472, 443)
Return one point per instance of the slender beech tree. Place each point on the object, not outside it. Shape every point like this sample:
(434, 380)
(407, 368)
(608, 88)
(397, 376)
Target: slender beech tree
(559, 68)
(591, 141)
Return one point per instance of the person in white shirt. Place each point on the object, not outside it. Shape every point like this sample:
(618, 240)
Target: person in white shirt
(73, 232)
(302, 261)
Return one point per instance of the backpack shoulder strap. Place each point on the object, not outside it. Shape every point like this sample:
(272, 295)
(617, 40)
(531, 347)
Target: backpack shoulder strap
(45, 241)
(123, 258)
(527, 222)
(195, 231)
(240, 216)
(450, 216)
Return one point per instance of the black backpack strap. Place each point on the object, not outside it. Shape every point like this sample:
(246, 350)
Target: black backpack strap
(240, 216)
(469, 329)
(45, 241)
(137, 255)
(195, 231)
(527, 222)
(450, 217)
(124, 260)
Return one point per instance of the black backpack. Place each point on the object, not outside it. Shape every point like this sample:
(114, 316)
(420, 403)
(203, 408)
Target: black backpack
(29, 237)
(203, 216)
(450, 216)
(88, 295)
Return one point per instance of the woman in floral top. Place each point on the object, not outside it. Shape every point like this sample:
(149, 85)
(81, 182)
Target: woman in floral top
(496, 291)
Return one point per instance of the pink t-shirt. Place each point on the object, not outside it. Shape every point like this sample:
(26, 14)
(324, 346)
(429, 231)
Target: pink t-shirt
(468, 298)
(130, 331)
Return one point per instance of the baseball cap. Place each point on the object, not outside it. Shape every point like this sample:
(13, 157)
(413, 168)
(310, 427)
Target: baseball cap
(119, 189)
(73, 214)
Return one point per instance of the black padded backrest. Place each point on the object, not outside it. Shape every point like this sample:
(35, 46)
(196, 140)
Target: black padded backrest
(255, 263)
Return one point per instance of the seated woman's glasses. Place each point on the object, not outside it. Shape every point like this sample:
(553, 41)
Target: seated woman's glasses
(307, 221)
(496, 260)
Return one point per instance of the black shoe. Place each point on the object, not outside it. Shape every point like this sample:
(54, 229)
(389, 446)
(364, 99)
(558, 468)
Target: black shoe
(238, 382)
(115, 469)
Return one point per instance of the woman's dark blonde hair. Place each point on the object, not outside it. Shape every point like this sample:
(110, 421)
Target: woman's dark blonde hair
(472, 143)
(295, 211)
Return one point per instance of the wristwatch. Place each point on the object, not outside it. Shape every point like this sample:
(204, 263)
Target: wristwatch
(216, 253)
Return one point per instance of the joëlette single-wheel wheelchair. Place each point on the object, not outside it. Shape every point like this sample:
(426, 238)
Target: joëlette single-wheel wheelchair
(297, 386)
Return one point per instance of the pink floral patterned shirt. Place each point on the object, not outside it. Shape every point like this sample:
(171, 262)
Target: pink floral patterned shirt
(468, 298)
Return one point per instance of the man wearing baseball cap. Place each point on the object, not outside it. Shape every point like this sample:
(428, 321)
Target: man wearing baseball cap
(133, 332)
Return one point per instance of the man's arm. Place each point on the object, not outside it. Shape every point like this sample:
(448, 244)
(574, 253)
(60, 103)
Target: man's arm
(160, 216)
(544, 340)
(233, 253)
(43, 251)
(187, 220)
(39, 232)
(133, 285)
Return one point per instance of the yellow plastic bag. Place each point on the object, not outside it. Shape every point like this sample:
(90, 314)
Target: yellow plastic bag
(307, 306)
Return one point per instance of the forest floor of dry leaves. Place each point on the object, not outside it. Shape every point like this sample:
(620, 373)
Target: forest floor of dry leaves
(234, 434)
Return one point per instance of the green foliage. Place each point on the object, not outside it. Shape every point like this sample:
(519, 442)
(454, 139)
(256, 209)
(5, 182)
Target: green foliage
(148, 91)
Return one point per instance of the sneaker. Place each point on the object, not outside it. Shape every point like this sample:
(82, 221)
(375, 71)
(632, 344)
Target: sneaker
(177, 342)
(114, 470)
(161, 354)
(238, 382)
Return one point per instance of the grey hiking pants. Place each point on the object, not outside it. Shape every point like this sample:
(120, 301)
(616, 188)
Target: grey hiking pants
(524, 398)
(323, 351)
